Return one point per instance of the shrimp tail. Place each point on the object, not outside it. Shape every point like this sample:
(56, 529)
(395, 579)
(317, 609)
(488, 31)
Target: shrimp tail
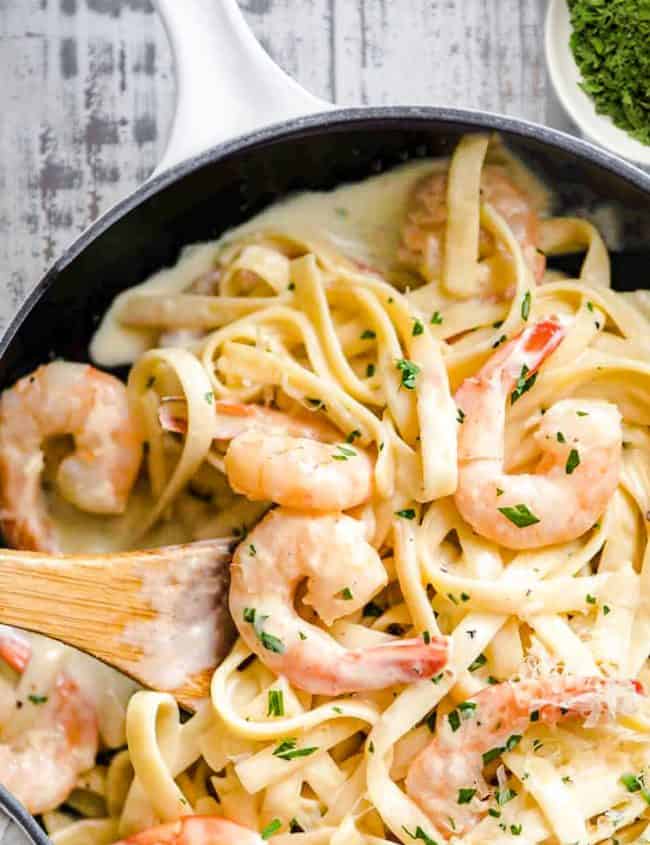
(528, 350)
(15, 651)
(385, 665)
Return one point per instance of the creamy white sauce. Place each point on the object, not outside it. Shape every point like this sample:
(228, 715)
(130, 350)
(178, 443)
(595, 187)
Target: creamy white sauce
(362, 219)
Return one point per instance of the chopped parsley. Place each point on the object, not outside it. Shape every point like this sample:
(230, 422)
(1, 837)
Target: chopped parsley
(352, 436)
(343, 453)
(572, 461)
(409, 370)
(560, 437)
(492, 754)
(420, 834)
(252, 551)
(519, 515)
(467, 706)
(370, 370)
(436, 318)
(465, 795)
(426, 636)
(287, 750)
(276, 703)
(454, 720)
(209, 396)
(590, 306)
(295, 826)
(634, 783)
(37, 699)
(525, 306)
(406, 513)
(291, 286)
(504, 795)
(465, 597)
(460, 416)
(606, 609)
(513, 741)
(499, 341)
(418, 328)
(271, 828)
(481, 660)
(368, 334)
(515, 829)
(582, 414)
(345, 594)
(590, 599)
(269, 642)
(499, 491)
(523, 384)
(534, 716)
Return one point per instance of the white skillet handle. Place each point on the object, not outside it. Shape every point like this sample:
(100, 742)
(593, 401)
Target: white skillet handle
(226, 83)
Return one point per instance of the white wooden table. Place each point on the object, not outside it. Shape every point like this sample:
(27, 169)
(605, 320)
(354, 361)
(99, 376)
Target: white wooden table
(87, 93)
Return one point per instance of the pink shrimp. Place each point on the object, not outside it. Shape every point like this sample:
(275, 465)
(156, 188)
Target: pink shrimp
(293, 460)
(40, 765)
(581, 445)
(344, 572)
(423, 234)
(195, 830)
(493, 722)
(59, 399)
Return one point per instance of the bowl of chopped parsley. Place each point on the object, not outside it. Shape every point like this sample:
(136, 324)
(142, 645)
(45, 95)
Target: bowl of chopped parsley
(598, 57)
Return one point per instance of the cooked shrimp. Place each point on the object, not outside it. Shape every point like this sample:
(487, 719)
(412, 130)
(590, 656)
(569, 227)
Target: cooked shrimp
(195, 830)
(343, 572)
(293, 460)
(493, 722)
(424, 233)
(40, 765)
(580, 441)
(58, 399)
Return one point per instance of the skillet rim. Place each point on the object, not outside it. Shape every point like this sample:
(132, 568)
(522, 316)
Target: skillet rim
(283, 131)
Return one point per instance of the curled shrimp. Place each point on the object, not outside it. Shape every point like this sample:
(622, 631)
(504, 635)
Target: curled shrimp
(343, 572)
(195, 830)
(423, 235)
(293, 460)
(581, 444)
(59, 399)
(493, 722)
(40, 765)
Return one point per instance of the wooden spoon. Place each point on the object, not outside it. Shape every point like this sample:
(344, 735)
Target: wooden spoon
(160, 616)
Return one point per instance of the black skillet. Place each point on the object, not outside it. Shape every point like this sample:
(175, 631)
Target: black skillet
(227, 86)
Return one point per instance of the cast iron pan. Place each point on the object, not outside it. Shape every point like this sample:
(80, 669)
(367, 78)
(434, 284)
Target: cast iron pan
(227, 85)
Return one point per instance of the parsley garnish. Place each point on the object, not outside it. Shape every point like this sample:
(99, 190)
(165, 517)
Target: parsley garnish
(352, 436)
(344, 452)
(499, 341)
(418, 328)
(460, 416)
(515, 829)
(436, 318)
(504, 795)
(252, 551)
(287, 750)
(465, 795)
(606, 609)
(560, 437)
(481, 660)
(368, 334)
(454, 720)
(609, 44)
(269, 642)
(370, 370)
(271, 828)
(519, 515)
(276, 703)
(525, 306)
(345, 594)
(295, 827)
(406, 513)
(409, 370)
(590, 599)
(419, 834)
(523, 385)
(37, 699)
(209, 396)
(572, 461)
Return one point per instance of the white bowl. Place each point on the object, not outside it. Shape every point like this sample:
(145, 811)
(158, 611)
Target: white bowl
(565, 77)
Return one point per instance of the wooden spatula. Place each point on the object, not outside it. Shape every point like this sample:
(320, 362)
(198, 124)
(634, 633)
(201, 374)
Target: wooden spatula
(160, 616)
